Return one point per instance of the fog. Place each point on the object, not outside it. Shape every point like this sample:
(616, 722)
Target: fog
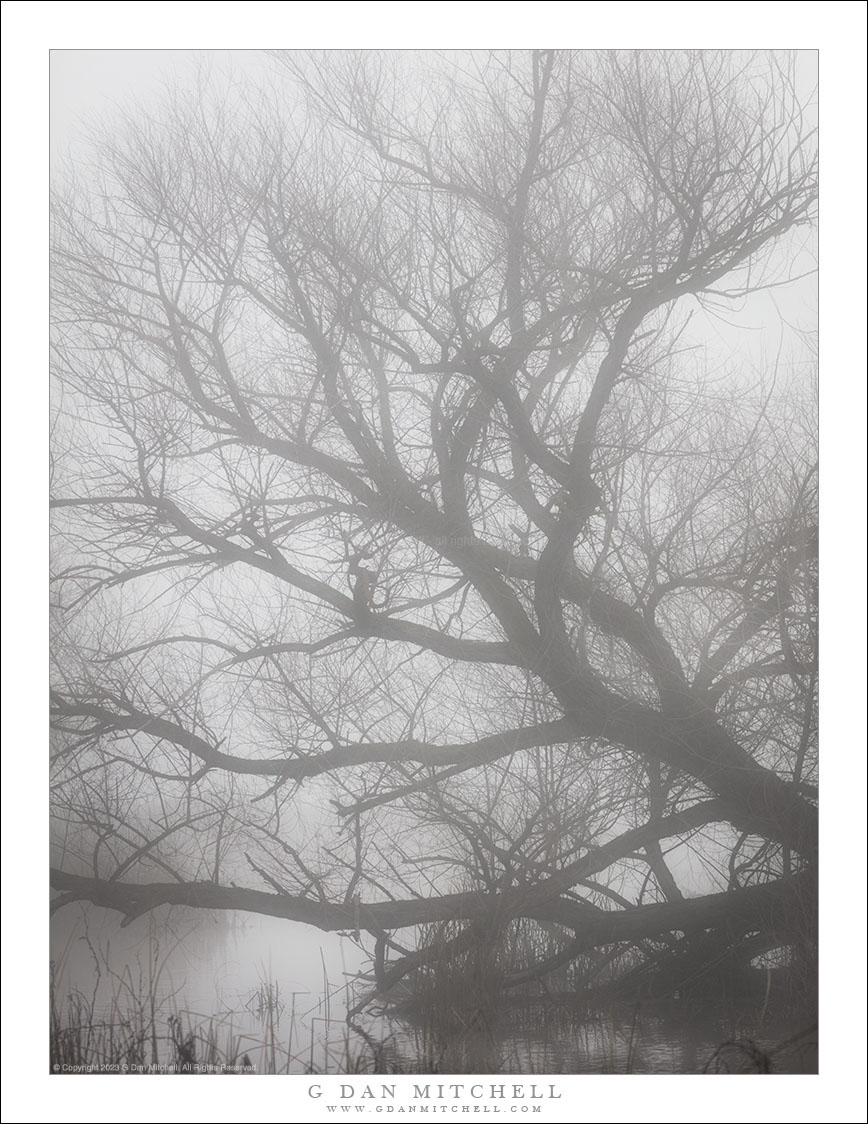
(759, 340)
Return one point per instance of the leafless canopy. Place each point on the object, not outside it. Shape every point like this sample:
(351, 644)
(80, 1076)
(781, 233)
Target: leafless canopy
(408, 566)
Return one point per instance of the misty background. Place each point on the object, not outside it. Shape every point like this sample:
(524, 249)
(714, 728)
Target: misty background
(85, 82)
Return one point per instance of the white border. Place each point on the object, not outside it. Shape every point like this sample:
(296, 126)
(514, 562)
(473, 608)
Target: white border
(837, 30)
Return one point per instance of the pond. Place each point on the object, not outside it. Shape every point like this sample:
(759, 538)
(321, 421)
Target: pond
(237, 990)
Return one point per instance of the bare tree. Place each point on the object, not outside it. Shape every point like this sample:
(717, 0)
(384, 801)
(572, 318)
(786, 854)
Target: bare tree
(408, 568)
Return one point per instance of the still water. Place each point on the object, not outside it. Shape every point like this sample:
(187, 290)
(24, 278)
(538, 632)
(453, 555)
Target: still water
(277, 995)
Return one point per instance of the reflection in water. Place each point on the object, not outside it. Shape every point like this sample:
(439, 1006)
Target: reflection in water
(234, 986)
(662, 1037)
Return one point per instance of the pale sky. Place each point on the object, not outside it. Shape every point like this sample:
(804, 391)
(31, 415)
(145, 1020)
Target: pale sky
(90, 87)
